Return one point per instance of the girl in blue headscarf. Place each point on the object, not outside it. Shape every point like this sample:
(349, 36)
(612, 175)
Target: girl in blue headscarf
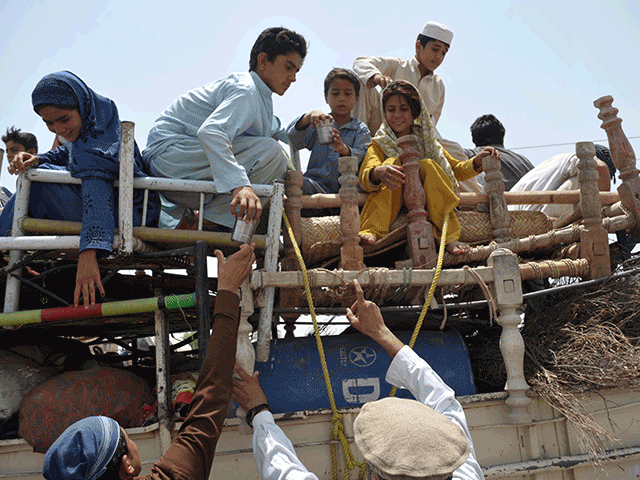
(91, 125)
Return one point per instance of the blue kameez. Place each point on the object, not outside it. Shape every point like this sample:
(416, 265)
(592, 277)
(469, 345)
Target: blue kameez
(94, 158)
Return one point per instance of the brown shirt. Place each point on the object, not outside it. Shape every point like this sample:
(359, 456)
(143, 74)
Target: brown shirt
(191, 453)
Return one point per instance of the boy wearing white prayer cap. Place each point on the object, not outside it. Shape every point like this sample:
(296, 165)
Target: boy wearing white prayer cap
(401, 439)
(431, 46)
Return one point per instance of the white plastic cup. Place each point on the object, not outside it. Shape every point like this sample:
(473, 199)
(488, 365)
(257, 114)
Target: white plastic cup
(325, 132)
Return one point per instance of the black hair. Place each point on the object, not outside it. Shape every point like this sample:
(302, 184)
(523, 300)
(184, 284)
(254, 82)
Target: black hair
(604, 154)
(27, 140)
(423, 39)
(113, 467)
(487, 130)
(343, 74)
(406, 90)
(276, 41)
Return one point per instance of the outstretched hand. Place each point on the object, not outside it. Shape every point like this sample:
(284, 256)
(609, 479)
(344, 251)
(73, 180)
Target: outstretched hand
(22, 161)
(389, 175)
(87, 278)
(249, 207)
(485, 152)
(365, 317)
(233, 270)
(247, 391)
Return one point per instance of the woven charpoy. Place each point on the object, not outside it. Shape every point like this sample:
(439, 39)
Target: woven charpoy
(321, 236)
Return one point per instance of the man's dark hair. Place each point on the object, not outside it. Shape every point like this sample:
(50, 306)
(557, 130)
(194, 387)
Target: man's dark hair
(487, 130)
(343, 74)
(276, 41)
(27, 140)
(604, 154)
(423, 39)
(113, 467)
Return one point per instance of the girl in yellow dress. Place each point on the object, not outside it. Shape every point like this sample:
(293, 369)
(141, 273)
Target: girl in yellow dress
(381, 171)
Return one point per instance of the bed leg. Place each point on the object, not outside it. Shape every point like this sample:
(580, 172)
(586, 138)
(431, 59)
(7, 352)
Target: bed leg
(422, 245)
(594, 239)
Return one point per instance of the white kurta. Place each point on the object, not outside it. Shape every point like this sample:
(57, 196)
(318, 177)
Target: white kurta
(558, 173)
(277, 460)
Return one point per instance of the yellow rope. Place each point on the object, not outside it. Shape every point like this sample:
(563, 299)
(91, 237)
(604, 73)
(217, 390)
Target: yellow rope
(432, 290)
(337, 433)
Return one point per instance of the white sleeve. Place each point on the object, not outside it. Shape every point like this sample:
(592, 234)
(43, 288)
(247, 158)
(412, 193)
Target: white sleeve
(275, 456)
(408, 370)
(367, 67)
(232, 117)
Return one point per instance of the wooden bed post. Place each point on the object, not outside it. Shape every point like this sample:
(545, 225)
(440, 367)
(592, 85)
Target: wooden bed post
(290, 297)
(594, 239)
(623, 157)
(507, 288)
(498, 212)
(245, 354)
(422, 245)
(351, 254)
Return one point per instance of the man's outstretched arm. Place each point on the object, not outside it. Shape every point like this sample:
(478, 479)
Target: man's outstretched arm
(275, 456)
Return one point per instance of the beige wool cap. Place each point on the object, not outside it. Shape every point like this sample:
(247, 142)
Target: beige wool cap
(437, 31)
(405, 437)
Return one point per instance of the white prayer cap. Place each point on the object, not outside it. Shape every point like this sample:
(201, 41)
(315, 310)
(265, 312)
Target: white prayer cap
(404, 438)
(437, 31)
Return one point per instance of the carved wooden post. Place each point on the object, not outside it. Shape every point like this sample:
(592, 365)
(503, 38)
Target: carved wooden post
(507, 288)
(594, 239)
(422, 245)
(623, 157)
(498, 212)
(351, 255)
(290, 297)
(245, 354)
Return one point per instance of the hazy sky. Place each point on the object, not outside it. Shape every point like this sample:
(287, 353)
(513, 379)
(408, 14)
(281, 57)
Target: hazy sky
(538, 66)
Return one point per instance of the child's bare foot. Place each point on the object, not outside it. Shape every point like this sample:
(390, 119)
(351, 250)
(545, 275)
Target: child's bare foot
(458, 248)
(367, 239)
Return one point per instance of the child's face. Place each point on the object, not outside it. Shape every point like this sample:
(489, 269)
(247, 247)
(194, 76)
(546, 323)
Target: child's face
(281, 73)
(341, 97)
(432, 54)
(398, 114)
(66, 123)
(14, 148)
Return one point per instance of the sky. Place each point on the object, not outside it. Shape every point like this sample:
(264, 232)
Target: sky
(538, 66)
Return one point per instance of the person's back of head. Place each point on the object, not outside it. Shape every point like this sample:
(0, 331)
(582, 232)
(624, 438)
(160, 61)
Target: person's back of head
(604, 154)
(90, 449)
(27, 140)
(403, 439)
(344, 74)
(276, 41)
(487, 130)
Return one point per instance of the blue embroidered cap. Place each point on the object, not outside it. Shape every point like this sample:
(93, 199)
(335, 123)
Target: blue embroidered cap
(83, 450)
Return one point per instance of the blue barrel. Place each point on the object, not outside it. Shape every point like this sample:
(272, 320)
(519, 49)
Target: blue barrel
(292, 379)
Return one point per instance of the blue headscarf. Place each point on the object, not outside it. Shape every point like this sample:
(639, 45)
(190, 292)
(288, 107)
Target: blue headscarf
(96, 152)
(83, 450)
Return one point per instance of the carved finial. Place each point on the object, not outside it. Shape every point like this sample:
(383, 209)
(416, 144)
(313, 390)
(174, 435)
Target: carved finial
(623, 156)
